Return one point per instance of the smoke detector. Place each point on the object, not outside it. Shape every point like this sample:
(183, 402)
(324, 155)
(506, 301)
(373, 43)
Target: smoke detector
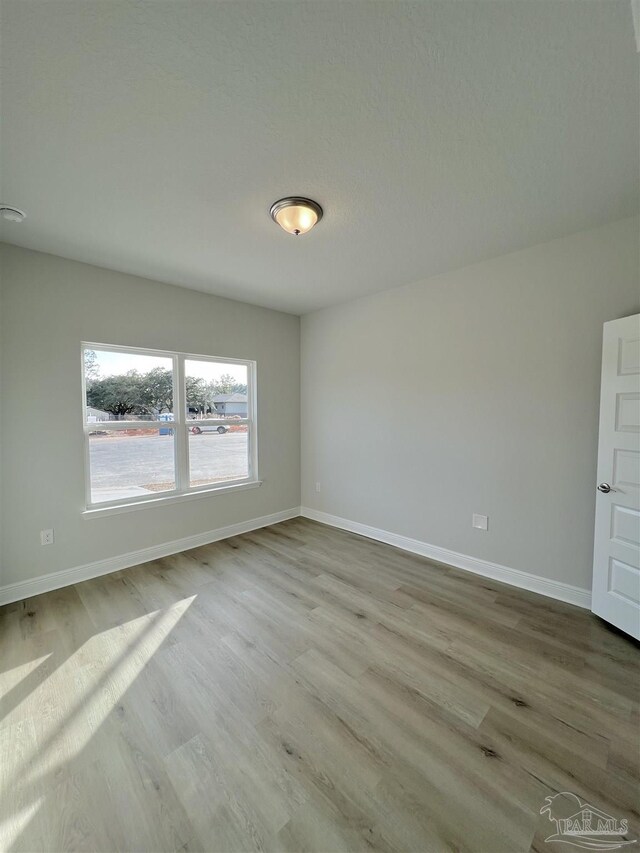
(12, 213)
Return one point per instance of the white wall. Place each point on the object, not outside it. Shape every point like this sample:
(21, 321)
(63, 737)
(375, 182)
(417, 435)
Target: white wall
(49, 306)
(474, 391)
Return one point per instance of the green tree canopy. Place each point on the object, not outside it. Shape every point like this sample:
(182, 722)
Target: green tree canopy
(157, 390)
(227, 384)
(135, 393)
(196, 393)
(120, 395)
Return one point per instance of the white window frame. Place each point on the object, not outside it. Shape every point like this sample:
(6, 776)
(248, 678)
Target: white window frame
(181, 426)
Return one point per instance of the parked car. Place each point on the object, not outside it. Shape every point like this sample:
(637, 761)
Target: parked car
(220, 428)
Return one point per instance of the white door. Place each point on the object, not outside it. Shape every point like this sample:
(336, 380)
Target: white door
(616, 557)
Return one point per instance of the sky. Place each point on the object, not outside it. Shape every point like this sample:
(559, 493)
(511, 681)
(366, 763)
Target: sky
(113, 363)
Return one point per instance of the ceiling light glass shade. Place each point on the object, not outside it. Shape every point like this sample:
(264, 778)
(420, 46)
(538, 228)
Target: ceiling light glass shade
(296, 215)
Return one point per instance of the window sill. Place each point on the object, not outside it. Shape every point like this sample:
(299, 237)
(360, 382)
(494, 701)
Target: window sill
(100, 511)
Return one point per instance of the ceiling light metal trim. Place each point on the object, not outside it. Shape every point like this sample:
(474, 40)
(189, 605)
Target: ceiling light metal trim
(12, 214)
(295, 201)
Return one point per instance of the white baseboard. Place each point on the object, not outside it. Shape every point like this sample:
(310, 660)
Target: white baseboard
(55, 580)
(514, 577)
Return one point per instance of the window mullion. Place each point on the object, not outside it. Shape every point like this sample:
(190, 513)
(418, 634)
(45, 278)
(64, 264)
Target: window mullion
(181, 438)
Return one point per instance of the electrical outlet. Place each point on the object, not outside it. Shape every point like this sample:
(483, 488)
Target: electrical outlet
(317, 487)
(480, 522)
(46, 537)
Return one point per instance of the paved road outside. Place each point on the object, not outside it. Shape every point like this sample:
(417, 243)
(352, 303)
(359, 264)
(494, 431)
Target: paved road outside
(130, 466)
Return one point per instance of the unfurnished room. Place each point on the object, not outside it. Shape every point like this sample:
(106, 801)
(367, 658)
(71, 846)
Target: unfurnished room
(319, 426)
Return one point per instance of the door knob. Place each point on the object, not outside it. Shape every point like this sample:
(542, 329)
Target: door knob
(605, 487)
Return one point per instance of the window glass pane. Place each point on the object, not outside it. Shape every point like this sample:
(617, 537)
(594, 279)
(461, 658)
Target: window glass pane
(127, 386)
(215, 389)
(218, 453)
(129, 464)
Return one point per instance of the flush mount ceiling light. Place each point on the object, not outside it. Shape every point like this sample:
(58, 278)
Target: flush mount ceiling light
(12, 213)
(296, 215)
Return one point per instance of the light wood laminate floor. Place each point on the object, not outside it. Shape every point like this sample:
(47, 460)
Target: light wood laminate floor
(300, 688)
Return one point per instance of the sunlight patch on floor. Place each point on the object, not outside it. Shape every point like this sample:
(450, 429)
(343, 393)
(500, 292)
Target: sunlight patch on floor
(12, 826)
(12, 677)
(62, 714)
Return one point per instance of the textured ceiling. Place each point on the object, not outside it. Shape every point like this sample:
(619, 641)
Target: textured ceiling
(152, 137)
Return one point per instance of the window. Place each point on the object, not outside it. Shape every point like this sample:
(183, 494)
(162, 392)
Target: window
(165, 424)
